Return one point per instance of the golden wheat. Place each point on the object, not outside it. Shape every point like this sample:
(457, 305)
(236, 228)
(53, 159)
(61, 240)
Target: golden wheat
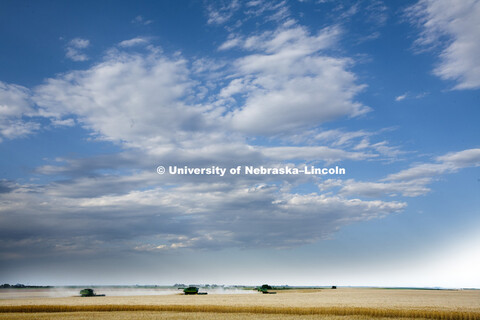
(464, 300)
(152, 315)
(341, 304)
(339, 311)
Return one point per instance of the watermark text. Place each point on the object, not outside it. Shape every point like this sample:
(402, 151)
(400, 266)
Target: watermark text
(250, 170)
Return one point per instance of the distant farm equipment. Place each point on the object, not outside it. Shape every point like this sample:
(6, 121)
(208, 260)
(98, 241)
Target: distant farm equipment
(90, 293)
(264, 289)
(192, 290)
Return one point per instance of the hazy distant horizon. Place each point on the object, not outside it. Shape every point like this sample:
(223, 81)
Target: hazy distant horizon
(263, 141)
(233, 286)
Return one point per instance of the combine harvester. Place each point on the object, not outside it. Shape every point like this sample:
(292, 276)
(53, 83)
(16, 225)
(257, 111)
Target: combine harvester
(264, 289)
(192, 290)
(90, 293)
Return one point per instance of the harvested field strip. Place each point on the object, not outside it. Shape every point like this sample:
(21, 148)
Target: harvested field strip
(341, 311)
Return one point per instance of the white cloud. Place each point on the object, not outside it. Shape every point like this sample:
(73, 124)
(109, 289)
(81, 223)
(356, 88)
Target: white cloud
(220, 12)
(448, 163)
(309, 153)
(63, 122)
(15, 107)
(75, 55)
(412, 188)
(133, 42)
(462, 159)
(411, 96)
(144, 100)
(129, 98)
(455, 27)
(289, 84)
(272, 10)
(339, 137)
(424, 170)
(79, 43)
(359, 140)
(410, 182)
(230, 43)
(75, 47)
(11, 129)
(14, 100)
(142, 20)
(237, 86)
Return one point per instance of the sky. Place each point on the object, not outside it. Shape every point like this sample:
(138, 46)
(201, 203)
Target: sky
(96, 95)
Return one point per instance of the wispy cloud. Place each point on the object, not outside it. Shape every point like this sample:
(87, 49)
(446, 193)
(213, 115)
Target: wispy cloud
(74, 49)
(411, 95)
(16, 112)
(454, 27)
(412, 182)
(368, 17)
(133, 42)
(220, 12)
(141, 20)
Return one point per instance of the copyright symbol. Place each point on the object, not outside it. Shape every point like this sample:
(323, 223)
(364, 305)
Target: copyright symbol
(160, 170)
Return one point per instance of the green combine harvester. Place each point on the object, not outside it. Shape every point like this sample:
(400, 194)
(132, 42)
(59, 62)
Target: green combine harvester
(90, 293)
(264, 289)
(192, 290)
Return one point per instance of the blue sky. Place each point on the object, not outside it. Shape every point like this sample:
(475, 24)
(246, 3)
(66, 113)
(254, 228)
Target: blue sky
(95, 95)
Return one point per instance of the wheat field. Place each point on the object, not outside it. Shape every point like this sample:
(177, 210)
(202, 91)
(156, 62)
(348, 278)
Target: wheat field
(174, 316)
(343, 303)
(141, 315)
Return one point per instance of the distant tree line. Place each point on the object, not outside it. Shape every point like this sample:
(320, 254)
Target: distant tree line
(19, 286)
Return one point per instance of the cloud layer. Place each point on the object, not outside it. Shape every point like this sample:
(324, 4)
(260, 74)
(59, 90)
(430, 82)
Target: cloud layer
(155, 106)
